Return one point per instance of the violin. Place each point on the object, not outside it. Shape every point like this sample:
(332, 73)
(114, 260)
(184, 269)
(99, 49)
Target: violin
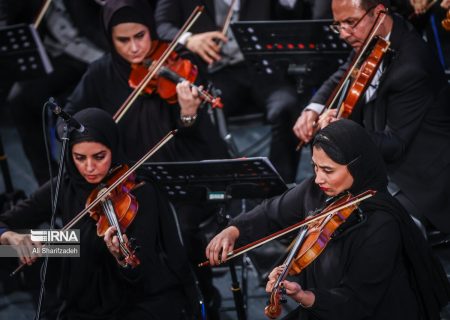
(363, 78)
(117, 189)
(118, 209)
(358, 76)
(157, 65)
(309, 244)
(330, 210)
(174, 70)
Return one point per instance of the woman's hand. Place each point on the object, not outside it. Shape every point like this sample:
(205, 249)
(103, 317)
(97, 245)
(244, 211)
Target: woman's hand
(112, 243)
(445, 4)
(188, 98)
(26, 249)
(205, 45)
(292, 288)
(305, 125)
(223, 243)
(305, 298)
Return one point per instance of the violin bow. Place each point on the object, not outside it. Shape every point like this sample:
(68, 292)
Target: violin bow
(354, 200)
(41, 13)
(227, 22)
(102, 195)
(154, 68)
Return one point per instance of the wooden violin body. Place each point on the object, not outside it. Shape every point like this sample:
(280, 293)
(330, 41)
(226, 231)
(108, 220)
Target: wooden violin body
(164, 87)
(319, 234)
(118, 209)
(363, 77)
(125, 204)
(309, 244)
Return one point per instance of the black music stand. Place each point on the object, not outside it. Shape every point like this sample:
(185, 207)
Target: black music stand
(305, 49)
(217, 181)
(22, 55)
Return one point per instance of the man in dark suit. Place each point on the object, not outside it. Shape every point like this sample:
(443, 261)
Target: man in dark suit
(242, 89)
(405, 109)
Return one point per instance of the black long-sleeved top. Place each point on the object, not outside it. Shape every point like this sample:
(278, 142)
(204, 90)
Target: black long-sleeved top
(149, 119)
(94, 286)
(363, 273)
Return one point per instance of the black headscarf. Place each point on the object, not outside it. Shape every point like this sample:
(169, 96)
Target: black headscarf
(121, 11)
(95, 264)
(346, 142)
(98, 127)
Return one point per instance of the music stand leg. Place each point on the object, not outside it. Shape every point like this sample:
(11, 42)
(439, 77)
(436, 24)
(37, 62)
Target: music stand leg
(223, 218)
(237, 293)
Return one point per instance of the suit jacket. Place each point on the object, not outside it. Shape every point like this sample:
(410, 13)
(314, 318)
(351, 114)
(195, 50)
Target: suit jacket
(171, 14)
(409, 119)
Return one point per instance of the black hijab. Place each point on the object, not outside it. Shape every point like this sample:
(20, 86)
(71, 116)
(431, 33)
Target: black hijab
(96, 266)
(346, 142)
(98, 127)
(122, 11)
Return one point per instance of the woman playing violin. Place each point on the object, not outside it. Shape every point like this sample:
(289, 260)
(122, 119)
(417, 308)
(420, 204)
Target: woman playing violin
(374, 260)
(129, 27)
(98, 285)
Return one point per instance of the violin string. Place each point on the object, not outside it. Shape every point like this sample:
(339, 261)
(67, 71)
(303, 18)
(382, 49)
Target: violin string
(111, 214)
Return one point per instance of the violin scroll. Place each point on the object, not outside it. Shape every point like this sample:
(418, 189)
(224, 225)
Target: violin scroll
(128, 251)
(277, 298)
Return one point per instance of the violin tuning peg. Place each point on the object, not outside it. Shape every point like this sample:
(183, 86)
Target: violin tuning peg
(283, 300)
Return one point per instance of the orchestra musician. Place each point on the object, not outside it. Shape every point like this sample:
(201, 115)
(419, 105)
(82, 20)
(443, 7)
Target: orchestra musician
(98, 284)
(377, 264)
(405, 110)
(130, 29)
